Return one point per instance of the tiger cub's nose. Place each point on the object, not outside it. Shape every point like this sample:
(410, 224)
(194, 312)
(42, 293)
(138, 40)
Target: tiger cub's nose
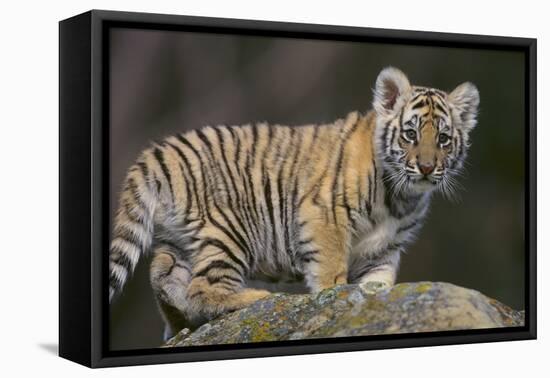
(426, 169)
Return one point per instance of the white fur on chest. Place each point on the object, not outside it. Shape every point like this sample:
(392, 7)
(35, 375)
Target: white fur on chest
(372, 239)
(375, 239)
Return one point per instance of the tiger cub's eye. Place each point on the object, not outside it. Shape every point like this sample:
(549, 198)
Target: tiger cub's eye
(444, 139)
(410, 134)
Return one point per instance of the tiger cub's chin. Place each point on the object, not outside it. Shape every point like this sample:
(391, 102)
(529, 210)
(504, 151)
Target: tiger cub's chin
(422, 186)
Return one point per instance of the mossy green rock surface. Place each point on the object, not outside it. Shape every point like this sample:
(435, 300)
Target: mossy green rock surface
(348, 310)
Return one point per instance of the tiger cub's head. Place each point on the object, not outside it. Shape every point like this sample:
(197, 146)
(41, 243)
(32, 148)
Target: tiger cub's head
(422, 133)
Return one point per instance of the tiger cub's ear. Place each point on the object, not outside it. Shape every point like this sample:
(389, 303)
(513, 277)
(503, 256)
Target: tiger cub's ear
(464, 101)
(391, 92)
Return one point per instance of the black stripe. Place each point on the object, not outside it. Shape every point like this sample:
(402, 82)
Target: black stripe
(262, 216)
(416, 96)
(356, 275)
(370, 190)
(338, 170)
(315, 191)
(266, 184)
(294, 204)
(191, 175)
(440, 94)
(280, 179)
(122, 232)
(387, 145)
(183, 266)
(118, 256)
(159, 186)
(347, 205)
(430, 101)
(316, 198)
(441, 108)
(310, 191)
(461, 139)
(169, 271)
(291, 188)
(402, 204)
(216, 264)
(225, 161)
(204, 139)
(130, 211)
(132, 186)
(455, 139)
(237, 142)
(422, 120)
(160, 158)
(304, 242)
(269, 204)
(214, 170)
(216, 279)
(358, 191)
(375, 177)
(419, 104)
(144, 170)
(385, 134)
(315, 136)
(289, 178)
(251, 216)
(194, 295)
(392, 140)
(308, 256)
(230, 288)
(188, 193)
(368, 207)
(281, 196)
(407, 227)
(250, 196)
(394, 246)
(362, 268)
(254, 141)
(247, 181)
(221, 246)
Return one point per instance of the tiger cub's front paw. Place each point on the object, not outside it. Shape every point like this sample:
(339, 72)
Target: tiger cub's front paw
(373, 287)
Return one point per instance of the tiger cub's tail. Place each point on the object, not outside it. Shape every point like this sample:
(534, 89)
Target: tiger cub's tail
(132, 228)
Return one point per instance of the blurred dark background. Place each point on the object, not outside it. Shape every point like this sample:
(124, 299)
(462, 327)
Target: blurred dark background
(165, 82)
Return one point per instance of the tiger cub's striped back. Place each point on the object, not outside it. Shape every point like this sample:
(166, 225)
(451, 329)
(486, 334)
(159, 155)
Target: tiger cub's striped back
(219, 205)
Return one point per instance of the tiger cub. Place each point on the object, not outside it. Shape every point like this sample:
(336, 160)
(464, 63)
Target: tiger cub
(331, 204)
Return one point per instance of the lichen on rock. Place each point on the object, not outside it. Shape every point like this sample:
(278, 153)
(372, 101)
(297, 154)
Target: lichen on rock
(348, 310)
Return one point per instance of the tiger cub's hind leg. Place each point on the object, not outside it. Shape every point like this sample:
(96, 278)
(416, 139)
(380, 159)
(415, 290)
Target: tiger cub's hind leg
(170, 276)
(218, 282)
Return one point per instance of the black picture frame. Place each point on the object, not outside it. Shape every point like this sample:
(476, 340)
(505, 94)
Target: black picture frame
(84, 195)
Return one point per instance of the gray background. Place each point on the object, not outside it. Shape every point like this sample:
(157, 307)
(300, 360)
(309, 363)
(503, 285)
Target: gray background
(165, 82)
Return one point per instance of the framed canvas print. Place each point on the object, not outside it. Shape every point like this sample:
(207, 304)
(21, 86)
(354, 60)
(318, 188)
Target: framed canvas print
(234, 188)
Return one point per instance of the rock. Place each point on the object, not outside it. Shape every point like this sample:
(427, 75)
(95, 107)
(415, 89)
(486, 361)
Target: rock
(348, 310)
